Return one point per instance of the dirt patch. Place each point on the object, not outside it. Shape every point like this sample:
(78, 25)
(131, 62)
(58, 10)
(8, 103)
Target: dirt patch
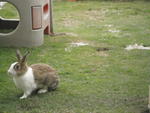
(69, 22)
(102, 49)
(94, 14)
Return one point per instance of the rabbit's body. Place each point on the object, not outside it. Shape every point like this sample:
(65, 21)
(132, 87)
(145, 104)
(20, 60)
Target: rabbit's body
(39, 77)
(45, 76)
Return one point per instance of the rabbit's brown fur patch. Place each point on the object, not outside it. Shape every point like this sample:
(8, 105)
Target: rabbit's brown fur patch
(45, 76)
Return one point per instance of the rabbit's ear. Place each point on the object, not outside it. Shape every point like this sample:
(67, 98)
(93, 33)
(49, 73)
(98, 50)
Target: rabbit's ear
(24, 58)
(18, 54)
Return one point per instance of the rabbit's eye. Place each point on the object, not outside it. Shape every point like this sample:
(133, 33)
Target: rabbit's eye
(16, 67)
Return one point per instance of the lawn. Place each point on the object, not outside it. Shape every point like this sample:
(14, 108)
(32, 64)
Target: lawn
(101, 77)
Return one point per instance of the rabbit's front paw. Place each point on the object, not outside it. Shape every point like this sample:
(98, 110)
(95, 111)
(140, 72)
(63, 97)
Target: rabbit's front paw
(23, 97)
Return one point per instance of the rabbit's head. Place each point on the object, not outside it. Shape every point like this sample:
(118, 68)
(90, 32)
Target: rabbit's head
(20, 67)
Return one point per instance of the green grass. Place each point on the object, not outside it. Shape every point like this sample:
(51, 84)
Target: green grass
(114, 81)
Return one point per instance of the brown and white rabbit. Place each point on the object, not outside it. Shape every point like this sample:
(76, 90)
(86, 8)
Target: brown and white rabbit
(39, 77)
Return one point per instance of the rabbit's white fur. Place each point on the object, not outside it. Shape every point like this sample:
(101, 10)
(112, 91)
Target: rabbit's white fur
(11, 69)
(25, 82)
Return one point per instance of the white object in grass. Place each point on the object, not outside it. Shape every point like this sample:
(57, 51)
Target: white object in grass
(113, 31)
(108, 25)
(75, 44)
(136, 46)
(79, 44)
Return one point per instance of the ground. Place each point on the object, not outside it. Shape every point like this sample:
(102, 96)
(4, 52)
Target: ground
(101, 77)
